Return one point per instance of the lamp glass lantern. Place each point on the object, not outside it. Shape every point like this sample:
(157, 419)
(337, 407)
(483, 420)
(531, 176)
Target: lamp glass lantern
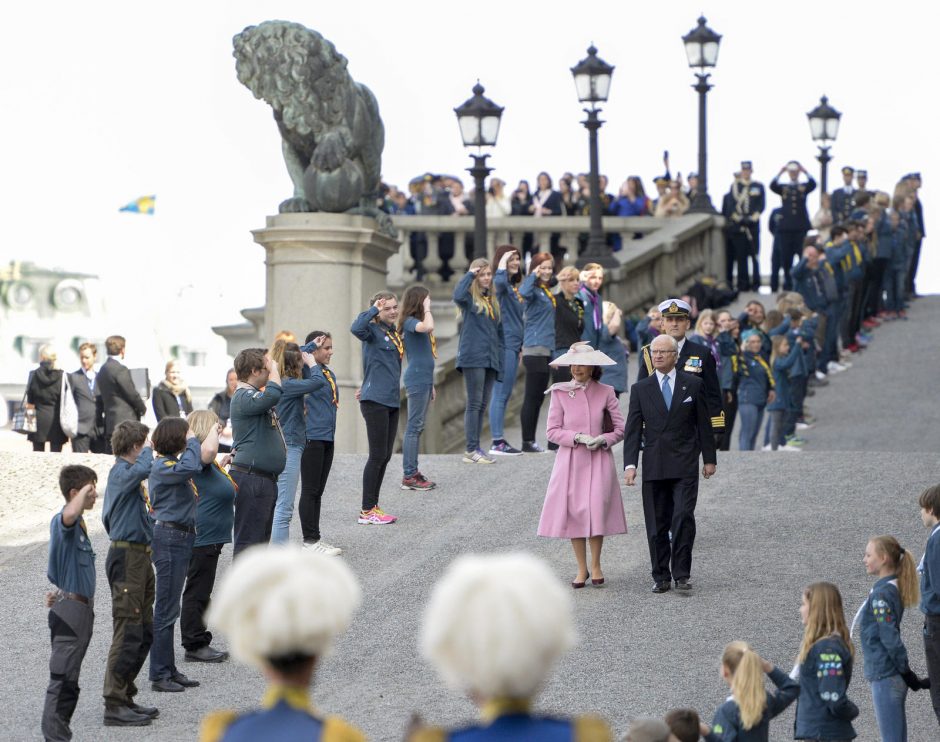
(701, 45)
(478, 118)
(592, 78)
(824, 121)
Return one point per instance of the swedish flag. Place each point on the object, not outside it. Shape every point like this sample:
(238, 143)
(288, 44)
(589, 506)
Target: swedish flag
(143, 205)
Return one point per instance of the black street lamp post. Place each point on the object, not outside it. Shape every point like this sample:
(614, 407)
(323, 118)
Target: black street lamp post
(479, 119)
(701, 48)
(592, 82)
(824, 127)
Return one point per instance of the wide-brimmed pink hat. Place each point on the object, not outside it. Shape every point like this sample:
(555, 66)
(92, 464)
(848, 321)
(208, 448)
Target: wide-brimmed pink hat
(582, 354)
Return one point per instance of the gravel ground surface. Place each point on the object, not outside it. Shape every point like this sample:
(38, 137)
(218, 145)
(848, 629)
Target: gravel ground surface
(768, 524)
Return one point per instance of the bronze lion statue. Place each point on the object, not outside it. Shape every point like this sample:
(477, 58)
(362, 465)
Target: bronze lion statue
(332, 135)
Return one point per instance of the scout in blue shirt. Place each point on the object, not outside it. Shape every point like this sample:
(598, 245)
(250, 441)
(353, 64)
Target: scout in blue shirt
(538, 343)
(215, 517)
(479, 351)
(416, 324)
(127, 520)
(929, 569)
(824, 667)
(879, 622)
(321, 406)
(506, 280)
(379, 397)
(71, 570)
(746, 715)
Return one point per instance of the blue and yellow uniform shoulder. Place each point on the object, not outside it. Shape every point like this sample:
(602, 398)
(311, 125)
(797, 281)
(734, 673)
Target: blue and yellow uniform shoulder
(286, 713)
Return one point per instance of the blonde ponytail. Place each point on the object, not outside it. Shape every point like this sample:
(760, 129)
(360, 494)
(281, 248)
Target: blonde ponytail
(747, 682)
(903, 564)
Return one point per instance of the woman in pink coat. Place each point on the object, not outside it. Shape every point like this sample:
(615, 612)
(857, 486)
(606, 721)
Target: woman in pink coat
(583, 501)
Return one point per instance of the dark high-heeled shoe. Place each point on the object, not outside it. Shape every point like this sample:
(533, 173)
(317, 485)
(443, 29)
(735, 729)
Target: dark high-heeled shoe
(598, 583)
(579, 585)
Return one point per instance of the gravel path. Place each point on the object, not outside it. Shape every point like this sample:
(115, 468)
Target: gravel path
(768, 525)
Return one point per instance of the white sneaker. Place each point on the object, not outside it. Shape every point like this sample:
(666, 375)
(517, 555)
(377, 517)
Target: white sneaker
(477, 457)
(321, 547)
(835, 368)
(792, 449)
(768, 447)
(803, 426)
(820, 376)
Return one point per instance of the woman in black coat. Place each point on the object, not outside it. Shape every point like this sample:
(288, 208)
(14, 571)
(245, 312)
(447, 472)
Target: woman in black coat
(171, 396)
(44, 394)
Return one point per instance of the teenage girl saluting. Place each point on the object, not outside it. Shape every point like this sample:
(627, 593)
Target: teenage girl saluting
(538, 343)
(878, 622)
(379, 396)
(479, 350)
(824, 667)
(506, 280)
(416, 325)
(746, 715)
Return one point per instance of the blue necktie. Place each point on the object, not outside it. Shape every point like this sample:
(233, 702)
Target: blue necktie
(667, 392)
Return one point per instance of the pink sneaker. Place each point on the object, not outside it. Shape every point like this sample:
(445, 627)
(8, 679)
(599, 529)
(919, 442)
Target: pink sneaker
(375, 517)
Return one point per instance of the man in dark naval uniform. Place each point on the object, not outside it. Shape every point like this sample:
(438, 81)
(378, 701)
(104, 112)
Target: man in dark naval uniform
(794, 218)
(693, 358)
(668, 411)
(843, 199)
(742, 208)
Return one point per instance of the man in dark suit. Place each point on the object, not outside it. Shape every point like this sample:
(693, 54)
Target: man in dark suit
(668, 411)
(118, 394)
(694, 358)
(843, 199)
(84, 383)
(794, 218)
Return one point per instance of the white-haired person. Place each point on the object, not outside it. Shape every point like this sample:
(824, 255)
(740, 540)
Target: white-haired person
(583, 501)
(493, 629)
(280, 609)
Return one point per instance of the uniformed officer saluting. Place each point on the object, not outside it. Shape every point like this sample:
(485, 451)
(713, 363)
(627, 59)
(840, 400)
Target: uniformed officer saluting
(744, 205)
(693, 359)
(843, 199)
(794, 219)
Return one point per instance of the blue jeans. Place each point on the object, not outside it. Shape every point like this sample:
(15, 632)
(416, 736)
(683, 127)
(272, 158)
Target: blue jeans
(751, 416)
(502, 391)
(172, 550)
(888, 696)
(479, 383)
(287, 483)
(419, 397)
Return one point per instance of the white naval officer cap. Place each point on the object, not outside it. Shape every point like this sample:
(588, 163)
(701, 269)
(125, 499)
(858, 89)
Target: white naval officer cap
(675, 308)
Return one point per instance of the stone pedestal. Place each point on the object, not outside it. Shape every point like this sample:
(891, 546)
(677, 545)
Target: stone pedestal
(322, 269)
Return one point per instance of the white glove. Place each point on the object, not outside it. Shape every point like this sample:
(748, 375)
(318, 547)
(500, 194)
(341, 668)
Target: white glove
(582, 438)
(596, 443)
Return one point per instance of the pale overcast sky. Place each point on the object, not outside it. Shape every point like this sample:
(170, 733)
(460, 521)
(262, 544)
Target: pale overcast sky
(108, 101)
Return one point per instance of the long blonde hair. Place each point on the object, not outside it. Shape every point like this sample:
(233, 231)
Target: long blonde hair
(476, 293)
(747, 682)
(824, 618)
(903, 564)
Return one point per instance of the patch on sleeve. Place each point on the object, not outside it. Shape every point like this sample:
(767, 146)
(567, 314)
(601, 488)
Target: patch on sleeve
(829, 665)
(882, 611)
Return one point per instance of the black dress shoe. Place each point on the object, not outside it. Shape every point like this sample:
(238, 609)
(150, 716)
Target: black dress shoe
(180, 679)
(683, 585)
(122, 716)
(205, 654)
(662, 587)
(150, 711)
(166, 686)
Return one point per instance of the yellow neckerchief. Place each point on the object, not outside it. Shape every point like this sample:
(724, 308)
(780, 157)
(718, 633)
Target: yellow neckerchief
(173, 462)
(516, 291)
(235, 486)
(329, 377)
(487, 302)
(145, 493)
(296, 698)
(550, 295)
(433, 344)
(576, 306)
(497, 707)
(770, 374)
(392, 334)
